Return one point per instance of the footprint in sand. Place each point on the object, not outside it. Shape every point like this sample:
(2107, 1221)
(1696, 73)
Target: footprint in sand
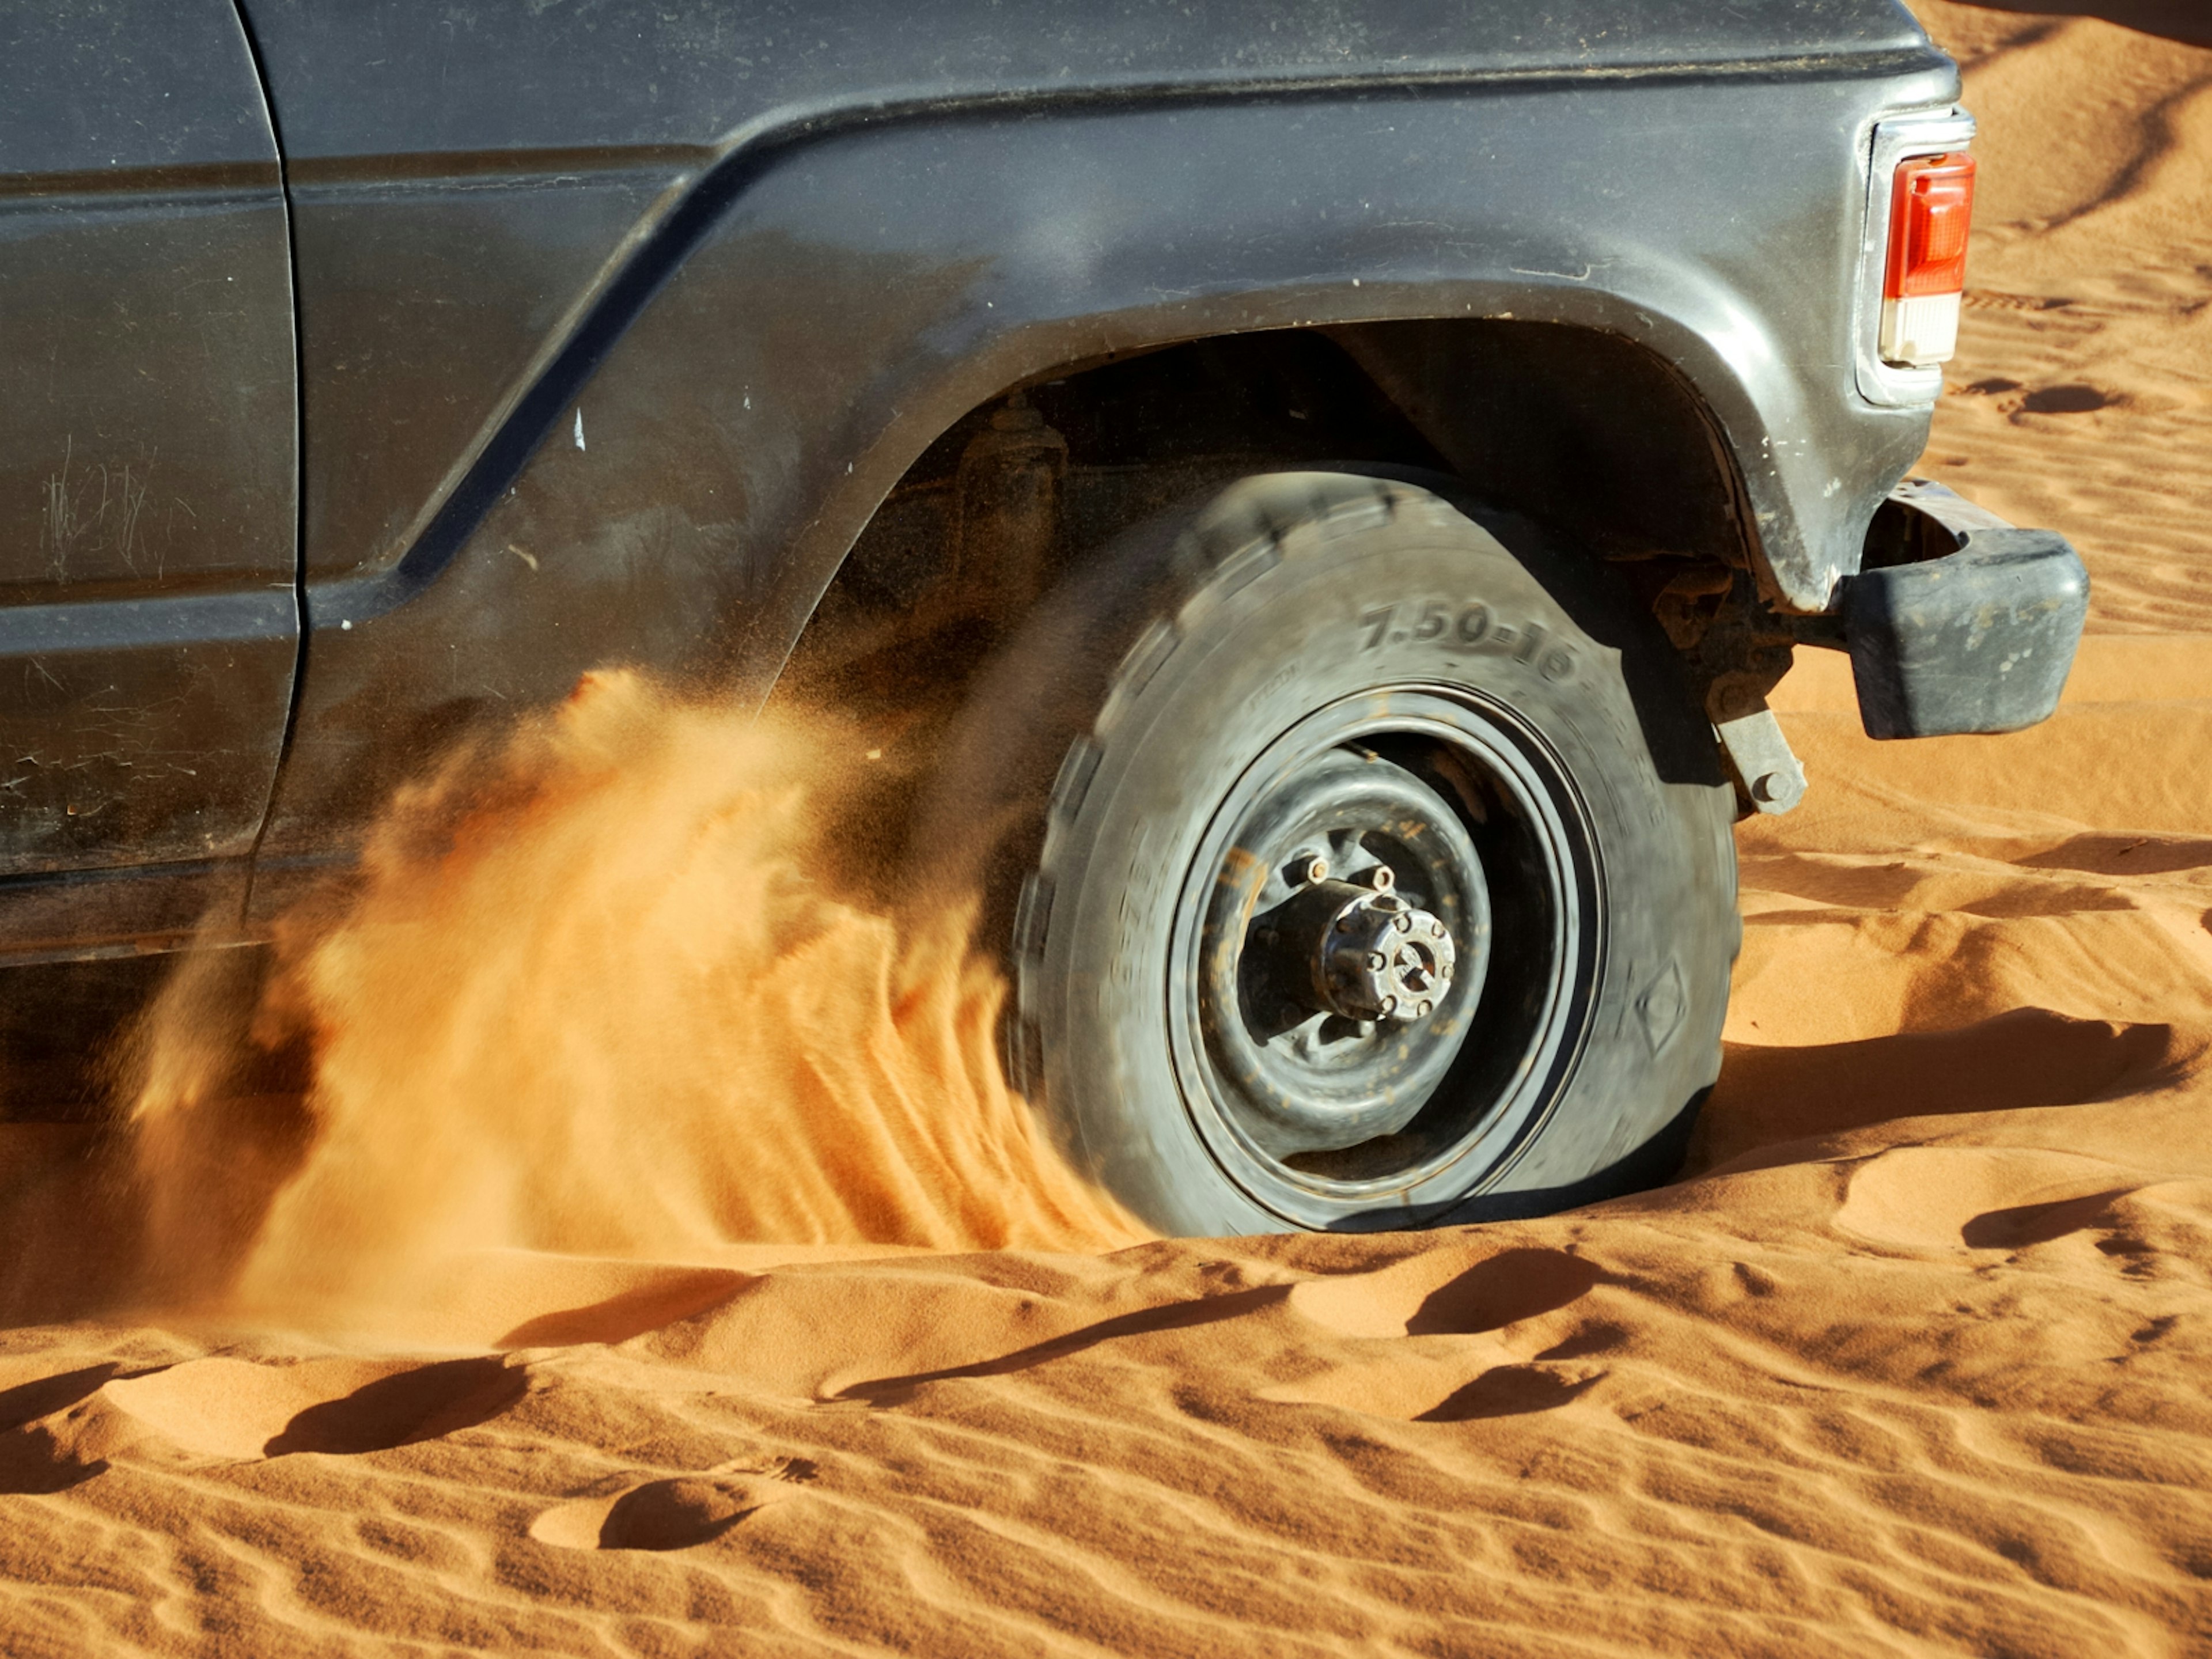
(240, 1411)
(1980, 1198)
(1422, 1389)
(672, 1514)
(1447, 1292)
(1463, 1295)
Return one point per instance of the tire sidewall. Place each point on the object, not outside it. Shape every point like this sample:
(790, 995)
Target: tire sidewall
(1276, 628)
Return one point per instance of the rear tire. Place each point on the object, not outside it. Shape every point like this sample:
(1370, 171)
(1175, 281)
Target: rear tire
(1232, 1037)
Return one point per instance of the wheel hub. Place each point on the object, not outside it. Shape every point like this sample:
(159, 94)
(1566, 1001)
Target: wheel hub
(1343, 951)
(1357, 949)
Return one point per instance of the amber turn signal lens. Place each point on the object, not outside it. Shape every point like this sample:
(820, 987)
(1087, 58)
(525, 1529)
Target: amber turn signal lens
(1931, 206)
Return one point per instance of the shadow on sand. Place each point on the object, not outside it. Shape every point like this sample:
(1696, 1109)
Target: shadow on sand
(2028, 1057)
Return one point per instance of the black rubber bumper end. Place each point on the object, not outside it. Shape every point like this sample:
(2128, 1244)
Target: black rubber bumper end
(1963, 623)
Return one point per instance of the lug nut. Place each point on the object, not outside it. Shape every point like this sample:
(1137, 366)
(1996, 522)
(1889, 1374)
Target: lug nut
(1370, 954)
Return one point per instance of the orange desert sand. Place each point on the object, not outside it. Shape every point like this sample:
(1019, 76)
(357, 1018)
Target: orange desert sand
(1912, 1358)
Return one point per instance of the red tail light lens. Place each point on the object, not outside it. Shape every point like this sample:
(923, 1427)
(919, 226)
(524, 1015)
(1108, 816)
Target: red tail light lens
(1932, 207)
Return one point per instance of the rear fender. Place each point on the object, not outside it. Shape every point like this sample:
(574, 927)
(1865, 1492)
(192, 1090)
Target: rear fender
(705, 465)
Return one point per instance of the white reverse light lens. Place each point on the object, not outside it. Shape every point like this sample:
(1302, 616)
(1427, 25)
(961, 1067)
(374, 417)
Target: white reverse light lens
(1921, 331)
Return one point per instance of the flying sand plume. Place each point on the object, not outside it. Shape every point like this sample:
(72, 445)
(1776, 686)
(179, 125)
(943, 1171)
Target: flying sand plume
(590, 994)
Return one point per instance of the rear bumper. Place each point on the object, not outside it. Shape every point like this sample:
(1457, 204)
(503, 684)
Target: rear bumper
(1958, 622)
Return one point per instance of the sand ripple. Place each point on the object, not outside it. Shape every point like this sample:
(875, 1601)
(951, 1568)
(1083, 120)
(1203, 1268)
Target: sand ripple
(1912, 1360)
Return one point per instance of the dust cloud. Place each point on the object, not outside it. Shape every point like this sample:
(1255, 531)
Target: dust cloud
(592, 990)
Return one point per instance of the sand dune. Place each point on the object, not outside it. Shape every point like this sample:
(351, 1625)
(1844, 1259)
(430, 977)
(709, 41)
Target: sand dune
(2085, 358)
(1911, 1360)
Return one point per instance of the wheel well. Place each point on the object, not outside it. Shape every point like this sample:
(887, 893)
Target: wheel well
(1586, 431)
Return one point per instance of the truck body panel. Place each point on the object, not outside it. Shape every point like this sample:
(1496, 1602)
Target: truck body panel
(617, 322)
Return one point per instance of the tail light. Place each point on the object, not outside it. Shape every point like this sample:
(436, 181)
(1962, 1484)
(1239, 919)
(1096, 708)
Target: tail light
(1932, 207)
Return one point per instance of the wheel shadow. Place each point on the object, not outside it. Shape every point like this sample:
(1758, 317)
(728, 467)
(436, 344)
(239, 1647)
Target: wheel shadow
(2030, 1057)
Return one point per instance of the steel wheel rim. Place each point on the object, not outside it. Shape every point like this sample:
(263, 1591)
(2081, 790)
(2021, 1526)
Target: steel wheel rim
(1483, 1066)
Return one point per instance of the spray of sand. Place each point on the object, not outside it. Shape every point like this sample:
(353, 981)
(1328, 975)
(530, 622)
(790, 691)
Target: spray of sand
(590, 992)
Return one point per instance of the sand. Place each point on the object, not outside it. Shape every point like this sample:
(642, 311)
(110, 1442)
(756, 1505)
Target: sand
(1911, 1360)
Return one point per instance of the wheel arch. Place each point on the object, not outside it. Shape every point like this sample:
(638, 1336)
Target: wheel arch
(1579, 429)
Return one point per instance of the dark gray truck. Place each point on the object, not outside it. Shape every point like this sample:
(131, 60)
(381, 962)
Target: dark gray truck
(1352, 473)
